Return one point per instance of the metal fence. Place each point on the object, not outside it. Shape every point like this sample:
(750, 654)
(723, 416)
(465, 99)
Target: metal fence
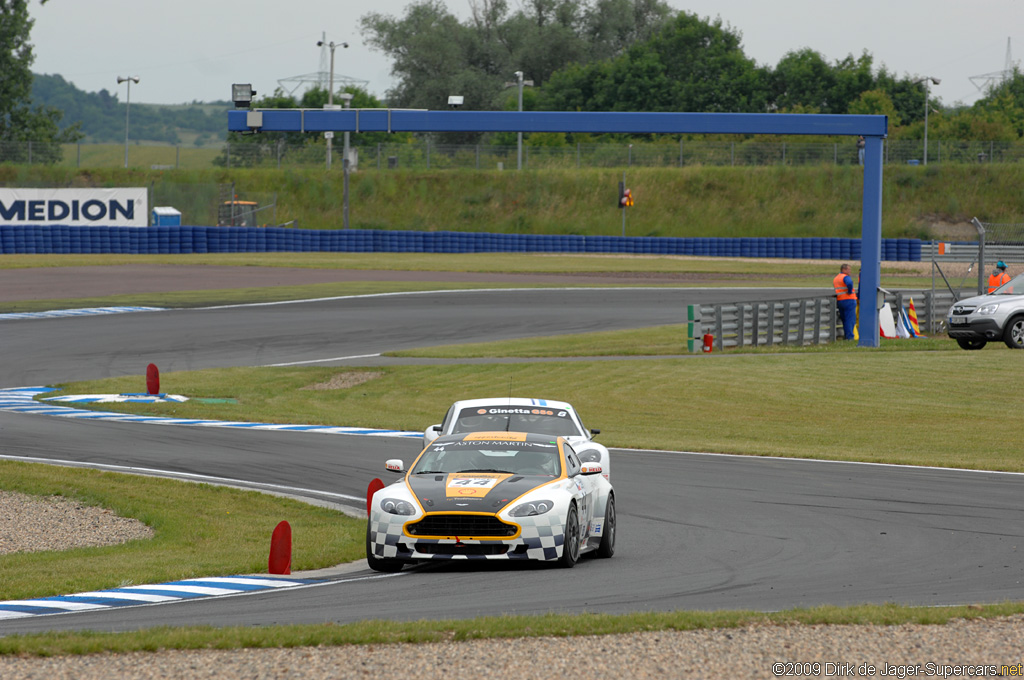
(799, 321)
(428, 155)
(802, 321)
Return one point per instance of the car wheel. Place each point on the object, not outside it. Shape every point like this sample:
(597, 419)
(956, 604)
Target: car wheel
(607, 545)
(378, 563)
(1013, 336)
(970, 343)
(571, 546)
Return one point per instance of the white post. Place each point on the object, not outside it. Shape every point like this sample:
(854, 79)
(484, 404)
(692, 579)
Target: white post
(346, 169)
(127, 110)
(926, 121)
(519, 135)
(330, 104)
(329, 135)
(927, 90)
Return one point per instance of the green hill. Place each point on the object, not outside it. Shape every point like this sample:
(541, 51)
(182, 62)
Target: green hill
(102, 115)
(936, 201)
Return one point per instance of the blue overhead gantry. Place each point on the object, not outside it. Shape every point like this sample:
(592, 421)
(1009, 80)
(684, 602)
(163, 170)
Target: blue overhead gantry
(873, 128)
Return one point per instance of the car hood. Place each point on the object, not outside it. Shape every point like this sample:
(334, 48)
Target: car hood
(979, 300)
(471, 491)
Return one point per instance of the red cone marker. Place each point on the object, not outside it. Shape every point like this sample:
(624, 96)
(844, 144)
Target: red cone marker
(375, 486)
(281, 549)
(152, 379)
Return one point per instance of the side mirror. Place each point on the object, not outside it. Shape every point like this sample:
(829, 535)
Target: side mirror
(432, 432)
(591, 469)
(594, 433)
(395, 465)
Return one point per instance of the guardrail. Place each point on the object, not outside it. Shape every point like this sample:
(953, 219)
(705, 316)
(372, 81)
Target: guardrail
(967, 251)
(797, 321)
(800, 321)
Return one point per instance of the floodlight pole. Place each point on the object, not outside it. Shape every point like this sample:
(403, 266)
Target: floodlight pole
(926, 107)
(330, 104)
(346, 169)
(127, 110)
(519, 82)
(330, 97)
(926, 80)
(519, 135)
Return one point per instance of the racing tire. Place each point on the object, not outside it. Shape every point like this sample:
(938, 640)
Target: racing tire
(379, 563)
(571, 544)
(970, 343)
(607, 546)
(1013, 336)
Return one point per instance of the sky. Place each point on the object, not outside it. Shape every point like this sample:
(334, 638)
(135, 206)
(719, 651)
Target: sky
(193, 50)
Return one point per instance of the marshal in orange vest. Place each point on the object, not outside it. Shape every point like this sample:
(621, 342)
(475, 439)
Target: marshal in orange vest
(996, 280)
(843, 290)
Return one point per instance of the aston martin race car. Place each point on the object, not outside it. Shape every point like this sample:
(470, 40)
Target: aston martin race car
(543, 416)
(492, 496)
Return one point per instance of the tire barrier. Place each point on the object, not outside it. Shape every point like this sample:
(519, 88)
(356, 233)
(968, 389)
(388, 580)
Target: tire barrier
(189, 239)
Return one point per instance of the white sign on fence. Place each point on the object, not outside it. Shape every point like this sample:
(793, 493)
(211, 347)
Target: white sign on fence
(124, 207)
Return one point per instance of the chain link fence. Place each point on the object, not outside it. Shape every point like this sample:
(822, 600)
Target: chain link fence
(427, 155)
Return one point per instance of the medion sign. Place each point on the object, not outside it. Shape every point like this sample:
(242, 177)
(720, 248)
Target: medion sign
(74, 207)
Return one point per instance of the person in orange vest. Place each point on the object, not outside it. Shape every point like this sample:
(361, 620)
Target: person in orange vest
(998, 277)
(846, 300)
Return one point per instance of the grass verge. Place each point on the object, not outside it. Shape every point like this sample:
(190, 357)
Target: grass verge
(200, 530)
(425, 631)
(653, 341)
(901, 407)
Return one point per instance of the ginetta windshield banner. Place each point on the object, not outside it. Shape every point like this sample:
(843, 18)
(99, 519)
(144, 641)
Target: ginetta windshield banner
(124, 207)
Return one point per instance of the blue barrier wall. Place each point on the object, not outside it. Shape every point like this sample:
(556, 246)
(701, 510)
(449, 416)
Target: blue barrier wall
(186, 239)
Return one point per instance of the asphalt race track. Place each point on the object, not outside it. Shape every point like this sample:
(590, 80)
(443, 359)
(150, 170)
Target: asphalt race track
(695, 531)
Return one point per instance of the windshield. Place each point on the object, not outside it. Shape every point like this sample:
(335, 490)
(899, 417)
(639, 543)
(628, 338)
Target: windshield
(515, 458)
(557, 422)
(1014, 286)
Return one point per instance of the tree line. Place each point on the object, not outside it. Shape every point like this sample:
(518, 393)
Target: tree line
(641, 55)
(581, 55)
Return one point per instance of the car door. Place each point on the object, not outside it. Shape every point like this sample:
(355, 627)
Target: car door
(586, 486)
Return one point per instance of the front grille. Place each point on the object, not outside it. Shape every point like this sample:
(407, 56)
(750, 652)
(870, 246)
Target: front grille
(462, 549)
(461, 525)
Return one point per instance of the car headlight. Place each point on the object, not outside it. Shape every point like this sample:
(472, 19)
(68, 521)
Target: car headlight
(531, 508)
(396, 506)
(590, 456)
(988, 309)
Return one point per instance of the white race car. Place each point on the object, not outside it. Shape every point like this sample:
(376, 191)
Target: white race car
(492, 496)
(543, 416)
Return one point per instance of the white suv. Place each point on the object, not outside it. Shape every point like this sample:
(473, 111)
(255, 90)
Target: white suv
(975, 321)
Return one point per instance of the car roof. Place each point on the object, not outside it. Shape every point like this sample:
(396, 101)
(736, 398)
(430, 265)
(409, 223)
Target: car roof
(514, 401)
